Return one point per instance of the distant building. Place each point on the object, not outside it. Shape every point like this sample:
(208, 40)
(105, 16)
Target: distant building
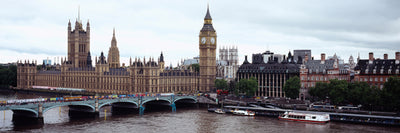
(7, 64)
(189, 62)
(298, 55)
(227, 65)
(313, 71)
(352, 64)
(46, 62)
(271, 72)
(377, 71)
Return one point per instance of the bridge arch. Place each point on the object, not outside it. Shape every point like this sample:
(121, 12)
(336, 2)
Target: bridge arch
(117, 101)
(159, 99)
(27, 109)
(186, 98)
(78, 104)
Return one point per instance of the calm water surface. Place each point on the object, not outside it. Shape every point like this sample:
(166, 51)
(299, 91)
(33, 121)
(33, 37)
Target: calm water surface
(185, 120)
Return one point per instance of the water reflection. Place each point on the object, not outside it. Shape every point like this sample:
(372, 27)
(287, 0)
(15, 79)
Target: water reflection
(186, 119)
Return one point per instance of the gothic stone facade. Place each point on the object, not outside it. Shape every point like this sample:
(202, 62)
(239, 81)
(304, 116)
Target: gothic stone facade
(227, 65)
(108, 77)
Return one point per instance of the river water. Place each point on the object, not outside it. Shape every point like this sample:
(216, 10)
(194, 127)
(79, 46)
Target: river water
(184, 120)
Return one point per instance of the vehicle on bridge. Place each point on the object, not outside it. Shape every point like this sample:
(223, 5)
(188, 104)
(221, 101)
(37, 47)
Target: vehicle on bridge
(57, 88)
(222, 92)
(348, 108)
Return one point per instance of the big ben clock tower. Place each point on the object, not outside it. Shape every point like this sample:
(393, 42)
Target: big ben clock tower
(207, 46)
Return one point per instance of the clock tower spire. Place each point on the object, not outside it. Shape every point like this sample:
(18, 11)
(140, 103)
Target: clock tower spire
(207, 46)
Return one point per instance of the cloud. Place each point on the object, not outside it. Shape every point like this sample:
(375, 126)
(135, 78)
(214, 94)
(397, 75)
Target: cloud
(145, 28)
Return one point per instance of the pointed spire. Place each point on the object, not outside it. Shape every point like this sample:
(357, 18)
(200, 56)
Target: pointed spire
(79, 13)
(113, 41)
(130, 60)
(208, 16)
(161, 57)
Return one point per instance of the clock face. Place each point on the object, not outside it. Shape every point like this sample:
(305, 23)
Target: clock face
(212, 40)
(203, 40)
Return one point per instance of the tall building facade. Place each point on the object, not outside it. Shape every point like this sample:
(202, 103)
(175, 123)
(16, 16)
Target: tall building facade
(207, 46)
(271, 75)
(298, 55)
(142, 75)
(377, 71)
(313, 71)
(78, 44)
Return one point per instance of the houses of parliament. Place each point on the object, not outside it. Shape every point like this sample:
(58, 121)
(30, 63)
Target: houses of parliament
(109, 76)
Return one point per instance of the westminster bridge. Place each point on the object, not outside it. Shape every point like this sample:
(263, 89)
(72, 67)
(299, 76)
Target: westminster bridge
(33, 112)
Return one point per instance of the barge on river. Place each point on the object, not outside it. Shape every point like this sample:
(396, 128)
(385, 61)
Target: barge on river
(305, 117)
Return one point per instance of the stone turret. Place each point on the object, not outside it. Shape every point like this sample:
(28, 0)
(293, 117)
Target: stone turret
(113, 53)
(102, 64)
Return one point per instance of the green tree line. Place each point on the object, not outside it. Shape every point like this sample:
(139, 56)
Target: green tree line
(340, 92)
(246, 87)
(8, 76)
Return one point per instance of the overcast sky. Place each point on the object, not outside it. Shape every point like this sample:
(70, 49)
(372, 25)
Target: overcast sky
(38, 29)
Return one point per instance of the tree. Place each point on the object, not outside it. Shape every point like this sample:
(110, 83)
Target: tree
(196, 67)
(362, 93)
(232, 86)
(391, 94)
(12, 75)
(338, 90)
(292, 87)
(335, 91)
(8, 76)
(246, 86)
(221, 84)
(319, 92)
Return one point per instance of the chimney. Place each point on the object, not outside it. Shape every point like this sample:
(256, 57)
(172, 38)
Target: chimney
(371, 57)
(397, 57)
(322, 58)
(385, 56)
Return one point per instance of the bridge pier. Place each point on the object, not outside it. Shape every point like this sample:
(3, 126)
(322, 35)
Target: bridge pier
(173, 107)
(141, 110)
(96, 105)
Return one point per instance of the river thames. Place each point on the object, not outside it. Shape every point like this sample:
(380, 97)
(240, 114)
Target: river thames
(185, 120)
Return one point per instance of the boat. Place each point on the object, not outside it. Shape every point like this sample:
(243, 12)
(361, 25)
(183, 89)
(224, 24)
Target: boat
(305, 117)
(219, 111)
(243, 112)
